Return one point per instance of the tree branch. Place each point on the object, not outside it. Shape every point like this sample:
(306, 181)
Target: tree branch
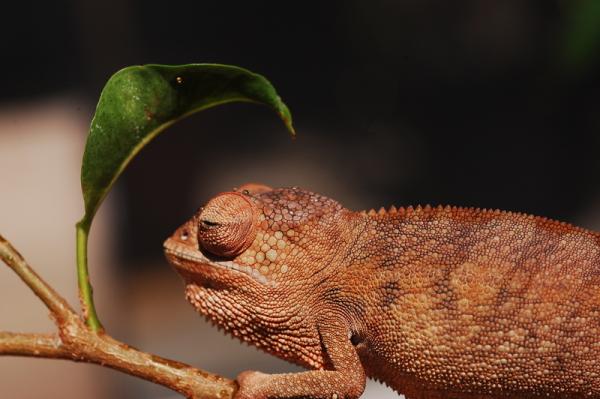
(76, 342)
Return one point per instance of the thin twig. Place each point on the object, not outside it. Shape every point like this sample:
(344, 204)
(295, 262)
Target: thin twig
(57, 305)
(37, 345)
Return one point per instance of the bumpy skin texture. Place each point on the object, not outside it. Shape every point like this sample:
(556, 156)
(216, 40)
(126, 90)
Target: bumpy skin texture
(439, 302)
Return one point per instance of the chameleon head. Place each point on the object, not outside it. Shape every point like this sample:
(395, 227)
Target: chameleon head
(255, 231)
(248, 258)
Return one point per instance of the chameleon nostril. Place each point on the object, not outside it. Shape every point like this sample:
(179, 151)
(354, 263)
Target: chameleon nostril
(184, 235)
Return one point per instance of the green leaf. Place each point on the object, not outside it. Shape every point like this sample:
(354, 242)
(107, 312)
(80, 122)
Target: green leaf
(138, 103)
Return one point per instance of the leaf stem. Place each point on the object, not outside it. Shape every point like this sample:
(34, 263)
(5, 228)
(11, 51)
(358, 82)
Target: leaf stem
(86, 295)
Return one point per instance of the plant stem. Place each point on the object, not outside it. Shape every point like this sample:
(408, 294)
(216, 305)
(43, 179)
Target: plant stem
(86, 295)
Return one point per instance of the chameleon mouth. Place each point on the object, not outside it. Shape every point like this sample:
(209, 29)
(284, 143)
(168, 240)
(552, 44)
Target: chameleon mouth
(195, 263)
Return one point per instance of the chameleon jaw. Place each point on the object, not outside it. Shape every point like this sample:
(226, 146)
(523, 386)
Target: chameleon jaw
(195, 263)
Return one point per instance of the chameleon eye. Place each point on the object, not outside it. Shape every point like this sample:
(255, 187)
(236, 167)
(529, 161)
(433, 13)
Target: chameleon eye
(208, 224)
(227, 225)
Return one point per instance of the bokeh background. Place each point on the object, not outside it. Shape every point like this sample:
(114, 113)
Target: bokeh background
(477, 103)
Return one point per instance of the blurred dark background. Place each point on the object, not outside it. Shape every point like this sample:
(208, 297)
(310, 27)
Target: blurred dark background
(479, 103)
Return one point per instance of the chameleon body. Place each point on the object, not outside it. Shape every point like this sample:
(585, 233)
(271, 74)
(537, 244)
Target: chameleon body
(441, 302)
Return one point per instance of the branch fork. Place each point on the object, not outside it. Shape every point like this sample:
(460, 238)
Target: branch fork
(79, 340)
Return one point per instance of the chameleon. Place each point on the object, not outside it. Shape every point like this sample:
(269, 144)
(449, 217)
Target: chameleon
(435, 302)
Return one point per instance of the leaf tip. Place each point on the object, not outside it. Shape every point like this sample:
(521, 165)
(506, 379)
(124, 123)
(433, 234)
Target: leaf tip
(288, 124)
(286, 117)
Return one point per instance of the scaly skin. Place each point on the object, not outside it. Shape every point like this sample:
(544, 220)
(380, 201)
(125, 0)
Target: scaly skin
(435, 302)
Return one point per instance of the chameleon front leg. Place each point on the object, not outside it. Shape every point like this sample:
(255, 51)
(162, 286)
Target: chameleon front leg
(345, 378)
